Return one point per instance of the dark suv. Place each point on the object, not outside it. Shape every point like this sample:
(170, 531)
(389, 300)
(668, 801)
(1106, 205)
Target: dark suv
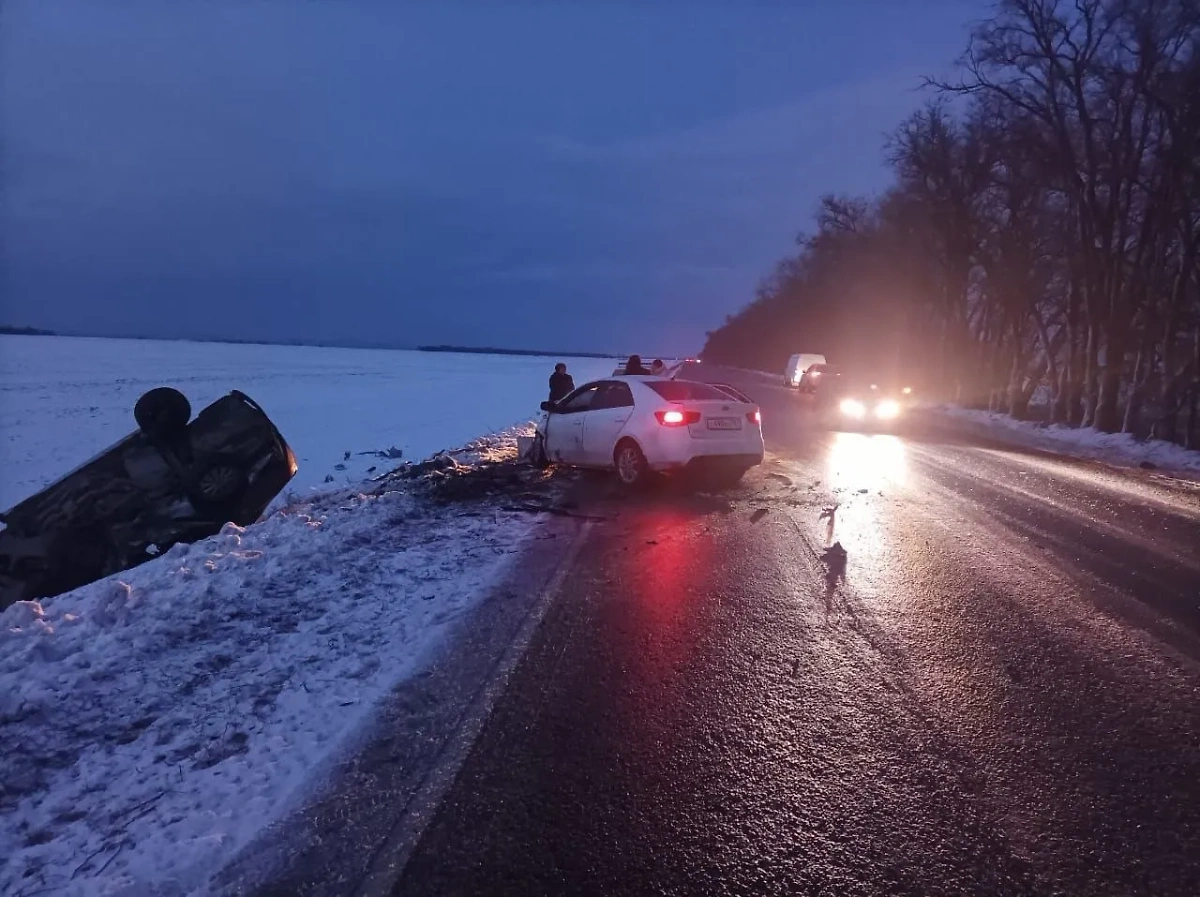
(169, 481)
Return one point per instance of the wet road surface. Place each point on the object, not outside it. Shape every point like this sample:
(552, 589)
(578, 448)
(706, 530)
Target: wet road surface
(999, 694)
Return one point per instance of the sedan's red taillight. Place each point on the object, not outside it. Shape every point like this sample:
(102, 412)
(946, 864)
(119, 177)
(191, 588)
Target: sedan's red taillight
(755, 417)
(675, 418)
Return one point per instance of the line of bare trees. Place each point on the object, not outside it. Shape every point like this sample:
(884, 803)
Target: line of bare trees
(1042, 236)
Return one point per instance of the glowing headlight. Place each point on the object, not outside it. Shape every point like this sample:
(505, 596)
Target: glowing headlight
(853, 408)
(887, 409)
(908, 390)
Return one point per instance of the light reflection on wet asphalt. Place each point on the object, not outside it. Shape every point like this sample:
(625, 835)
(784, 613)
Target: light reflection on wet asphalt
(997, 696)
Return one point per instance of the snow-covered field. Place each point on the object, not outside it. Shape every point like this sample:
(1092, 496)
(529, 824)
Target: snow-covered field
(1113, 448)
(62, 400)
(152, 724)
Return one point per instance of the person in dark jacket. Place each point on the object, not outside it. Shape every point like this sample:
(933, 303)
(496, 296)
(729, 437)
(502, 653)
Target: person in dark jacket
(633, 367)
(562, 384)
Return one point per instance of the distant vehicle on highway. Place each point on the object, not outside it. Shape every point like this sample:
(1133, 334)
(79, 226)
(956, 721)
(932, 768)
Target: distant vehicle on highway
(641, 426)
(794, 375)
(820, 379)
(864, 402)
(169, 481)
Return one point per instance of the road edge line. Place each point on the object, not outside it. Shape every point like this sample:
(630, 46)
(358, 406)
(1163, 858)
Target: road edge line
(392, 856)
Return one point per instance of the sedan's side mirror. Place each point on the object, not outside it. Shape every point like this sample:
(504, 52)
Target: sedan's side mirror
(548, 406)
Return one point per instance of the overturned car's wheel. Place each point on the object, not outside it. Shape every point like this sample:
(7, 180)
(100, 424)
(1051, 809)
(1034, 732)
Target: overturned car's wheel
(217, 487)
(632, 467)
(162, 412)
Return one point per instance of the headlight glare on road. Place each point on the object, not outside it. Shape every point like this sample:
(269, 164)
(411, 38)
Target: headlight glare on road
(887, 409)
(853, 408)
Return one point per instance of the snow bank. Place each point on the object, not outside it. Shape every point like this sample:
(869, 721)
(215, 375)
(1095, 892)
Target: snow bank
(154, 722)
(1114, 448)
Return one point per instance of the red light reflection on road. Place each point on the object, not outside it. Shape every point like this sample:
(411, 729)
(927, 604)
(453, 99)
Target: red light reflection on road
(660, 574)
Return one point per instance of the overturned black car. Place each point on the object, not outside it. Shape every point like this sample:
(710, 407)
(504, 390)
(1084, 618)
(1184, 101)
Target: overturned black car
(169, 481)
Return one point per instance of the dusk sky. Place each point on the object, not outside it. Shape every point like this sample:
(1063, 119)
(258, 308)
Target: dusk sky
(594, 176)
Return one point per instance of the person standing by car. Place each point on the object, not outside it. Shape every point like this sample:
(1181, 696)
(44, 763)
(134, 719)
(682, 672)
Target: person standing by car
(562, 384)
(633, 367)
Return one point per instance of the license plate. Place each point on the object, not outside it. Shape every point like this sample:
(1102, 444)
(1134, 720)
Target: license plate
(724, 423)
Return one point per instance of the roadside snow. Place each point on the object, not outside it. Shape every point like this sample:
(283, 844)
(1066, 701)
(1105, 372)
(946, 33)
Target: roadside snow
(1114, 448)
(152, 723)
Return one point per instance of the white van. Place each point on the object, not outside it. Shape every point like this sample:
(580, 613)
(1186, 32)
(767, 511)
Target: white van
(796, 367)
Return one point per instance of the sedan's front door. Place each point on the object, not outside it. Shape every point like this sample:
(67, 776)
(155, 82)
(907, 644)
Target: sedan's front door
(564, 426)
(605, 420)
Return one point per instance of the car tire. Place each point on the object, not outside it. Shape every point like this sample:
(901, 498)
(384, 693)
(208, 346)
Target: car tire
(217, 486)
(162, 413)
(633, 470)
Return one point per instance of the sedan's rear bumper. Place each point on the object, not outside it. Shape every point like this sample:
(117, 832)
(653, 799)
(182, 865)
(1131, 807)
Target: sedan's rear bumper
(675, 448)
(724, 461)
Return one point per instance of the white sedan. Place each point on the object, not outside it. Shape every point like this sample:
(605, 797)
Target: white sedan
(644, 425)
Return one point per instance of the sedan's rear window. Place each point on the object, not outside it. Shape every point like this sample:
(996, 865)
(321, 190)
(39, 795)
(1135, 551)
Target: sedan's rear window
(733, 393)
(687, 391)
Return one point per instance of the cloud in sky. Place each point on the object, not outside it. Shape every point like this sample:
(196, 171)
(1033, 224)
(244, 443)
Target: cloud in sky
(571, 175)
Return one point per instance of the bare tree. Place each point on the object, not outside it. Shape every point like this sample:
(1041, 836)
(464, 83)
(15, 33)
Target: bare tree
(1043, 230)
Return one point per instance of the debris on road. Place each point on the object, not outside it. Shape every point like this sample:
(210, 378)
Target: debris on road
(486, 469)
(834, 552)
(388, 454)
(829, 514)
(556, 510)
(446, 480)
(835, 558)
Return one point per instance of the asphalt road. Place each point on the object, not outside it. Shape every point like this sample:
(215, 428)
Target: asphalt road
(999, 694)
